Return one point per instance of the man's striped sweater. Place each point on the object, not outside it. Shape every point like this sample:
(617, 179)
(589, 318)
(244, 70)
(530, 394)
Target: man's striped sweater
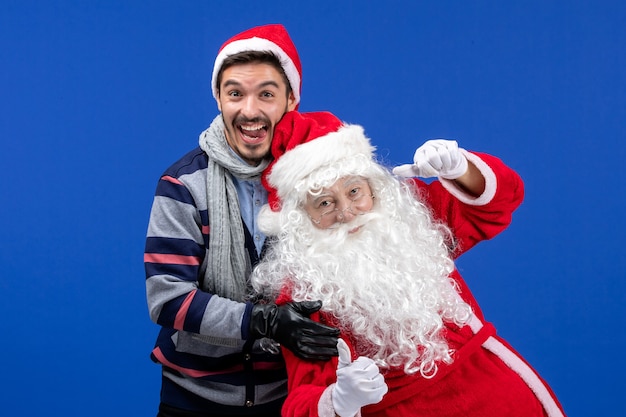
(208, 363)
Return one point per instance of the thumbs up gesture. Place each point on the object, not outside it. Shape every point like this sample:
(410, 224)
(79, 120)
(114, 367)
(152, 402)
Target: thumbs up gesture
(359, 383)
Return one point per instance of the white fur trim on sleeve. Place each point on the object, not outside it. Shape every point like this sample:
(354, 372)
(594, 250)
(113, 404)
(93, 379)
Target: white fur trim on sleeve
(490, 183)
(325, 404)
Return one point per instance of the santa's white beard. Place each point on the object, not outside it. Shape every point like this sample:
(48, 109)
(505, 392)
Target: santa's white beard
(387, 284)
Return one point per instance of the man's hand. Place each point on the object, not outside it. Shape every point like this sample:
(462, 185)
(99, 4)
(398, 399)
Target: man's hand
(359, 383)
(435, 158)
(290, 326)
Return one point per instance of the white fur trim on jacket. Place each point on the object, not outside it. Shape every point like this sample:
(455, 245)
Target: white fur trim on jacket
(490, 183)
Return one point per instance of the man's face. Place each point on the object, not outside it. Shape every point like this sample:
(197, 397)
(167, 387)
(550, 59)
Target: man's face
(342, 202)
(252, 99)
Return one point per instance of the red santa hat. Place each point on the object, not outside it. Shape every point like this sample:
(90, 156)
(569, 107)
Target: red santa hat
(302, 144)
(268, 38)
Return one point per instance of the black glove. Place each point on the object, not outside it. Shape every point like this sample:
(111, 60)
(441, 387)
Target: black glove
(290, 326)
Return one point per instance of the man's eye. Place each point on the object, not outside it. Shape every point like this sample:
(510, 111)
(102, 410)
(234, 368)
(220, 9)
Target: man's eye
(267, 94)
(234, 93)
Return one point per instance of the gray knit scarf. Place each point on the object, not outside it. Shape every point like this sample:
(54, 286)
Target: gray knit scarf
(228, 263)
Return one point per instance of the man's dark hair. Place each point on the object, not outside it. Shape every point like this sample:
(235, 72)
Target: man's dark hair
(250, 57)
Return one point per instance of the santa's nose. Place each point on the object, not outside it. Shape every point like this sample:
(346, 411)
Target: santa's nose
(346, 215)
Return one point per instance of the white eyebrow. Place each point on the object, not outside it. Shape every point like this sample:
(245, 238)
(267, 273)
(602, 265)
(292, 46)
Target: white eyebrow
(354, 180)
(322, 196)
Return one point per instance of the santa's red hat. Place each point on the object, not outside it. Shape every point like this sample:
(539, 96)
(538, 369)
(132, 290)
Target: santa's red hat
(267, 38)
(304, 143)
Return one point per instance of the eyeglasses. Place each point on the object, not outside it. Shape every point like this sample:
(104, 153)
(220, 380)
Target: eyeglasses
(360, 203)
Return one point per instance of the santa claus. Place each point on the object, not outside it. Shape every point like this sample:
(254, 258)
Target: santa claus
(378, 250)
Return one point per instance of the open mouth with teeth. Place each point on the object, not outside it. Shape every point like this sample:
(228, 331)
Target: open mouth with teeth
(253, 133)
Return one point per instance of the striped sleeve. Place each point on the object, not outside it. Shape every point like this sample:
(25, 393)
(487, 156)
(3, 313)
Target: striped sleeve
(174, 251)
(174, 258)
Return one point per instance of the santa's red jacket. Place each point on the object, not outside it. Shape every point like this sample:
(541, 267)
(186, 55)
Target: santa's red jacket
(488, 377)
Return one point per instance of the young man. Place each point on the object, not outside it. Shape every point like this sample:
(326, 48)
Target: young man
(379, 252)
(203, 240)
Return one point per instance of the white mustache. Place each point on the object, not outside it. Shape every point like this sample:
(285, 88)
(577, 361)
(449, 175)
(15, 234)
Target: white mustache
(339, 233)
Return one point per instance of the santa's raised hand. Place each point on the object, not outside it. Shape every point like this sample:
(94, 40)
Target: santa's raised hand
(435, 158)
(359, 383)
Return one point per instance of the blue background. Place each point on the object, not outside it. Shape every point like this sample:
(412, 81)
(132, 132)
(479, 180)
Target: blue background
(99, 97)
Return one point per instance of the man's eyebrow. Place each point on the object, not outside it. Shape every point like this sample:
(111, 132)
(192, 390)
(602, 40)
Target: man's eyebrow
(236, 83)
(228, 83)
(269, 83)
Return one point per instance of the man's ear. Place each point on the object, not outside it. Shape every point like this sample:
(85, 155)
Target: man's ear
(219, 105)
(291, 102)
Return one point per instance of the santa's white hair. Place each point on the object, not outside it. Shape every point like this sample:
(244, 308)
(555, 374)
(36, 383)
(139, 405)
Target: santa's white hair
(388, 285)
